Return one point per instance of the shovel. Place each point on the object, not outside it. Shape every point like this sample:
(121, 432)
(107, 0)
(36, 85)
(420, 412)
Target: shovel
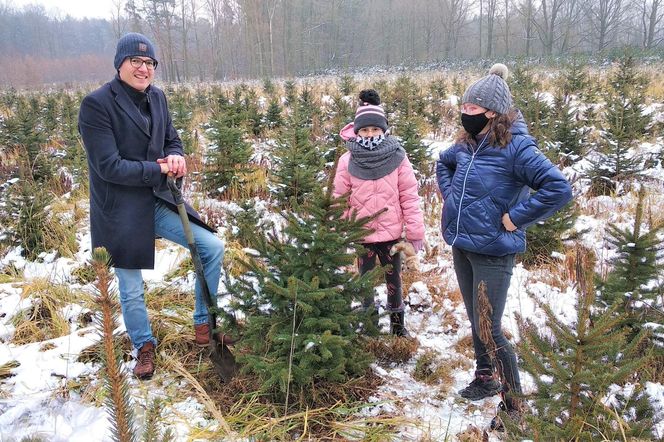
(221, 357)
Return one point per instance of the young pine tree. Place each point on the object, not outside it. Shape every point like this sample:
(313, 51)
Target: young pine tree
(273, 118)
(269, 88)
(526, 92)
(408, 131)
(404, 98)
(27, 135)
(623, 126)
(438, 106)
(118, 400)
(575, 80)
(308, 110)
(347, 85)
(227, 162)
(297, 166)
(567, 142)
(290, 91)
(575, 367)
(546, 237)
(182, 108)
(251, 113)
(636, 265)
(296, 296)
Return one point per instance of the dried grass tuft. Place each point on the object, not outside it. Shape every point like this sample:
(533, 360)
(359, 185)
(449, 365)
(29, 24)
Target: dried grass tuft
(7, 367)
(431, 371)
(43, 320)
(336, 414)
(464, 346)
(391, 349)
(472, 434)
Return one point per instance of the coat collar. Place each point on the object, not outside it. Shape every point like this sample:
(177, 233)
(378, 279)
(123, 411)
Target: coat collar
(127, 105)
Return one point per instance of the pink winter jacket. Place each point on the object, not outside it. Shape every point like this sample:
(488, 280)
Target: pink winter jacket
(397, 192)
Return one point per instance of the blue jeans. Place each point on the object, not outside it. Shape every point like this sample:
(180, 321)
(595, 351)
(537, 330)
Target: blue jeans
(496, 272)
(130, 281)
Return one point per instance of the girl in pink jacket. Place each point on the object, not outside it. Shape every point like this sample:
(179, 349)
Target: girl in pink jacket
(378, 175)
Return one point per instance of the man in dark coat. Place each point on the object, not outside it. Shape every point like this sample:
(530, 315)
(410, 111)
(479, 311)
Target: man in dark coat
(131, 147)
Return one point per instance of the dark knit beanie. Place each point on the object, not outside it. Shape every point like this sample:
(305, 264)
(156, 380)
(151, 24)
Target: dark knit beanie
(133, 45)
(369, 113)
(491, 92)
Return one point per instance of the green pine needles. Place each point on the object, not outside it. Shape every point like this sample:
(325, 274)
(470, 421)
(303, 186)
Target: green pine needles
(585, 373)
(635, 267)
(298, 163)
(624, 124)
(296, 296)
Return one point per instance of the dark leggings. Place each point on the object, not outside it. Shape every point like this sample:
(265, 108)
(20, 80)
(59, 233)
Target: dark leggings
(367, 262)
(496, 272)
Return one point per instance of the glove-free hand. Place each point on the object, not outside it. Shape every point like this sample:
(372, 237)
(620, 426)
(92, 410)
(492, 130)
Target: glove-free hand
(508, 224)
(418, 244)
(173, 164)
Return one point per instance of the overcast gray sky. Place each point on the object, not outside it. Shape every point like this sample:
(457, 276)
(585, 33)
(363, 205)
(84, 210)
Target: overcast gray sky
(75, 8)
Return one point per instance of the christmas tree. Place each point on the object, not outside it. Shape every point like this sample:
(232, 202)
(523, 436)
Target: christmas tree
(297, 165)
(525, 90)
(624, 124)
(273, 118)
(567, 141)
(576, 369)
(182, 108)
(346, 85)
(227, 163)
(547, 236)
(408, 132)
(296, 297)
(633, 281)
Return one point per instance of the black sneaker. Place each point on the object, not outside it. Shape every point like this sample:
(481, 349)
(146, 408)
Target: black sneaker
(480, 388)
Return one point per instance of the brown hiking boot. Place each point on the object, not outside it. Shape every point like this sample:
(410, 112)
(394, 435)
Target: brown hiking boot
(203, 336)
(144, 368)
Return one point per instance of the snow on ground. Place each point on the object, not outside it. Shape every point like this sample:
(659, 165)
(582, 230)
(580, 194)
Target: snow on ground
(37, 400)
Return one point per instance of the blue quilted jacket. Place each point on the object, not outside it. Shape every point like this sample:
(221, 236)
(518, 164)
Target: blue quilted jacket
(480, 185)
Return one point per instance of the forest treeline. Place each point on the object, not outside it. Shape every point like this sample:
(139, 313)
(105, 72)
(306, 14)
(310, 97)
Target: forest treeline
(229, 39)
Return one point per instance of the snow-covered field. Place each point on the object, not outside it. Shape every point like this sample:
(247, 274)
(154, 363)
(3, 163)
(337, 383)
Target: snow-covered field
(39, 401)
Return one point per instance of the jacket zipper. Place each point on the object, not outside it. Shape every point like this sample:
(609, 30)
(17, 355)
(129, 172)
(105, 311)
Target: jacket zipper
(463, 189)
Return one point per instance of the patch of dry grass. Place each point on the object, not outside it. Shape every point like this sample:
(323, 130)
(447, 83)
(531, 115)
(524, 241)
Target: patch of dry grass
(431, 371)
(7, 367)
(391, 349)
(464, 346)
(472, 434)
(335, 416)
(43, 320)
(654, 370)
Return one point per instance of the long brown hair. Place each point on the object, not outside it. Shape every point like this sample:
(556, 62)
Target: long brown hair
(500, 133)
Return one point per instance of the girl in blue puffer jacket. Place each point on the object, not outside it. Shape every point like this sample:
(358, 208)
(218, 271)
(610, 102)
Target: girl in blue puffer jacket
(485, 178)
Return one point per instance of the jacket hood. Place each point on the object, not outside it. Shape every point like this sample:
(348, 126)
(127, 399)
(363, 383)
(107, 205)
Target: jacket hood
(519, 127)
(347, 133)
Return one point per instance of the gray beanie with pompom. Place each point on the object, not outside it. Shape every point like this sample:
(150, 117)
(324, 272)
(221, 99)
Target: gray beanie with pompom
(491, 92)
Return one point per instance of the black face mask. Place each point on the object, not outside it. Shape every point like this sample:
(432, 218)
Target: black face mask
(473, 124)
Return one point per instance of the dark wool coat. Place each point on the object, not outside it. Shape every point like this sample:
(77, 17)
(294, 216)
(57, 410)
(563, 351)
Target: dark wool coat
(480, 185)
(125, 179)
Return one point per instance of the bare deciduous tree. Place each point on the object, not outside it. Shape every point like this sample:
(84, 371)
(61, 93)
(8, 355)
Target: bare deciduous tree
(651, 17)
(453, 16)
(526, 10)
(604, 17)
(546, 23)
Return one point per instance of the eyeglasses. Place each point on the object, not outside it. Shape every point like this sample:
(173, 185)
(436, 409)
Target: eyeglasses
(136, 63)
